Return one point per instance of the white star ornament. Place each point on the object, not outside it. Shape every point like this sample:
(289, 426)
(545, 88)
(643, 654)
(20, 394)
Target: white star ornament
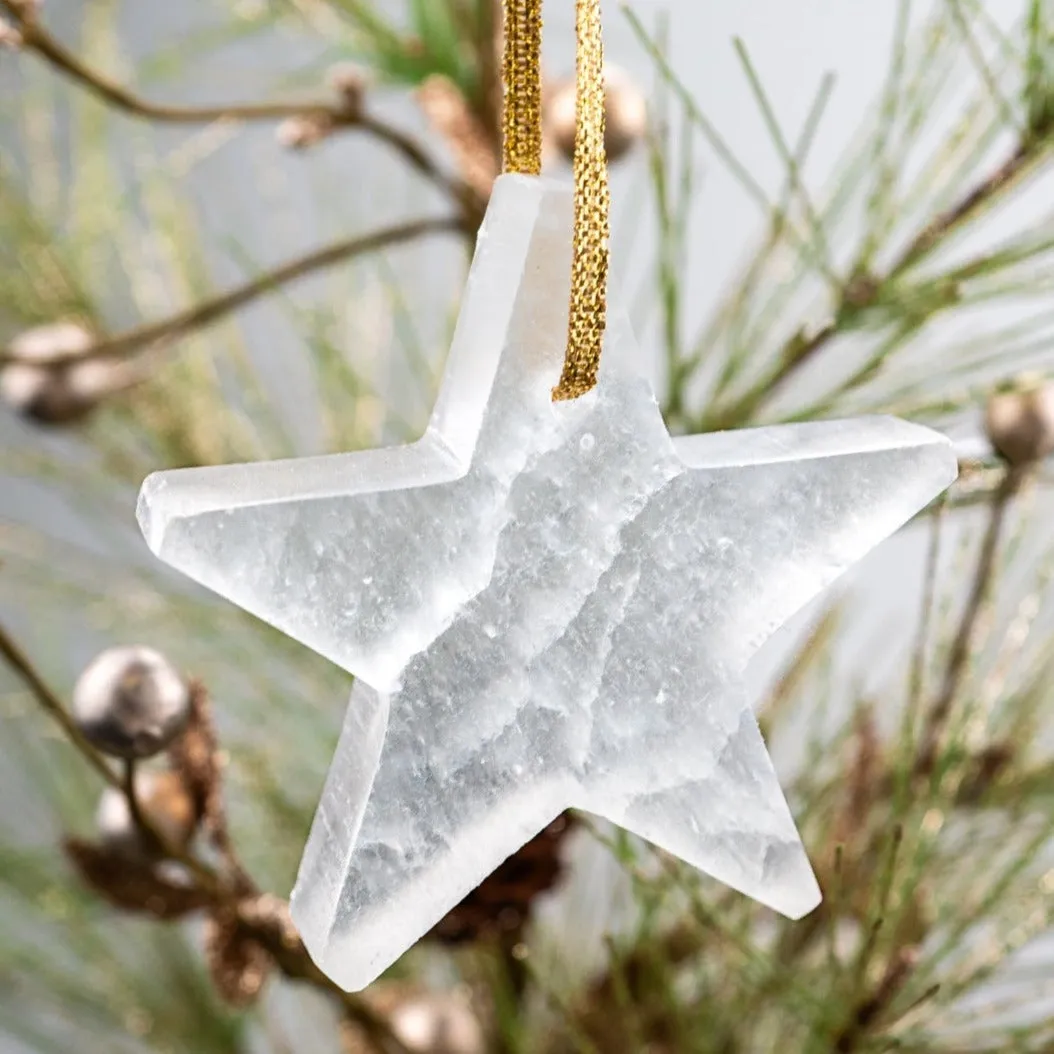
(546, 605)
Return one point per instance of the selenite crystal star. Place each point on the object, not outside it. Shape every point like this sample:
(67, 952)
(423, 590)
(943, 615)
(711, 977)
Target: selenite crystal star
(546, 605)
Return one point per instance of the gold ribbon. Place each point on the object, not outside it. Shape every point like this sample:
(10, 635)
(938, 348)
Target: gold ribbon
(522, 152)
(521, 72)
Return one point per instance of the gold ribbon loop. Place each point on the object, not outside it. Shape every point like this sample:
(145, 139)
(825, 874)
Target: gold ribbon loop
(522, 152)
(589, 267)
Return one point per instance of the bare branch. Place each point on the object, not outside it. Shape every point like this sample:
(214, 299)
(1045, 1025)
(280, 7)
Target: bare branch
(207, 312)
(37, 39)
(23, 668)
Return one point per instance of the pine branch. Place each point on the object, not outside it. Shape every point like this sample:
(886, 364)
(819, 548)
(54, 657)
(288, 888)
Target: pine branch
(868, 1011)
(827, 982)
(191, 319)
(862, 291)
(1016, 168)
(964, 640)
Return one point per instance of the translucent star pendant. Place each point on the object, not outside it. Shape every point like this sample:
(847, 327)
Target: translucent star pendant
(546, 605)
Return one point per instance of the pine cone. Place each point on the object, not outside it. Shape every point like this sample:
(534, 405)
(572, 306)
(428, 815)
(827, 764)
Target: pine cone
(501, 904)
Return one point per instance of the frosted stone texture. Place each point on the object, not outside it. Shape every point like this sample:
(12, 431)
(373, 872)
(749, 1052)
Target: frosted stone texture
(545, 605)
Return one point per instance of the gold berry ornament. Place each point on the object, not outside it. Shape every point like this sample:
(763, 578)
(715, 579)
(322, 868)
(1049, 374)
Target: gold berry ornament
(1019, 421)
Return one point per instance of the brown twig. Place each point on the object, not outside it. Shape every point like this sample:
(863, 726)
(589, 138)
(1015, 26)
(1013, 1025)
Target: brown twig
(22, 666)
(131, 795)
(37, 39)
(209, 311)
(964, 640)
(978, 482)
(1016, 168)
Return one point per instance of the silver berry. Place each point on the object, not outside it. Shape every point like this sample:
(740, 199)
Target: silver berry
(131, 702)
(47, 381)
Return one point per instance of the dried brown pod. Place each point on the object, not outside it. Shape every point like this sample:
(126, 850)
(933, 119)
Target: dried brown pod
(195, 756)
(238, 964)
(1019, 421)
(131, 702)
(625, 114)
(136, 885)
(46, 381)
(165, 803)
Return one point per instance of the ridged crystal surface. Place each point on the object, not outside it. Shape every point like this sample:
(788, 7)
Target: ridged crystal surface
(545, 604)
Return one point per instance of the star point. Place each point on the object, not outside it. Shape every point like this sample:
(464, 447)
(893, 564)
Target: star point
(546, 605)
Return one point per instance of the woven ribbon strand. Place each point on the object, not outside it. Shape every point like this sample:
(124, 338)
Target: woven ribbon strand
(589, 268)
(522, 76)
(522, 152)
